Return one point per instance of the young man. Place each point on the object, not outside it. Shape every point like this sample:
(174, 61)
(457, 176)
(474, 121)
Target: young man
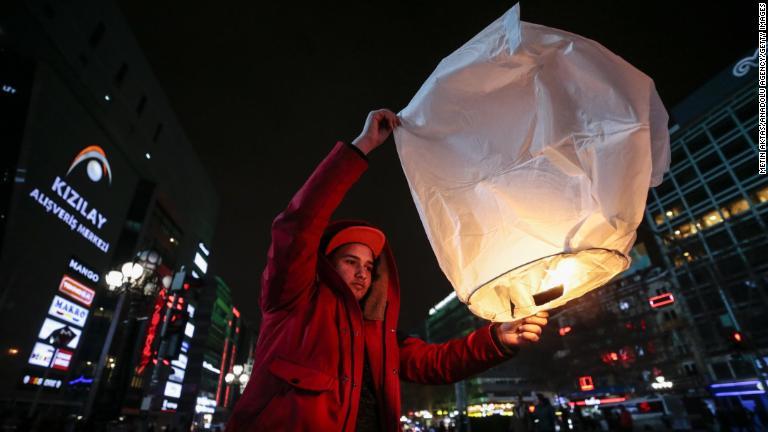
(329, 357)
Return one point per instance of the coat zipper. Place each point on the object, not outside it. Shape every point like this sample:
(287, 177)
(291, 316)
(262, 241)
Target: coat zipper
(352, 371)
(383, 390)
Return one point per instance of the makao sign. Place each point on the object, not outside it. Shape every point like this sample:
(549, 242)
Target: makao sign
(72, 208)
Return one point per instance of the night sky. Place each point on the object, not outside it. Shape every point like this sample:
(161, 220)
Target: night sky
(264, 89)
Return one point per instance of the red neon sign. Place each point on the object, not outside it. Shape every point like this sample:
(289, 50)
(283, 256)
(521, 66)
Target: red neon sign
(598, 401)
(586, 384)
(222, 371)
(76, 290)
(61, 359)
(147, 352)
(661, 300)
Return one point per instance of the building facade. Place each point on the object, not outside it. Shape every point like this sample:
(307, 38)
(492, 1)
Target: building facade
(98, 169)
(710, 216)
(222, 341)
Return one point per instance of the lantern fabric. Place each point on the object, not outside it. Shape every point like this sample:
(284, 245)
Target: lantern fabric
(529, 152)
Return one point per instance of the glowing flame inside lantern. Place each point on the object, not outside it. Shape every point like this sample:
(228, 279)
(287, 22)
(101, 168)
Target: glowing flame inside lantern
(565, 274)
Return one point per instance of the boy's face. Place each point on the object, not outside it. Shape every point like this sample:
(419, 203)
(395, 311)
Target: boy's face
(354, 263)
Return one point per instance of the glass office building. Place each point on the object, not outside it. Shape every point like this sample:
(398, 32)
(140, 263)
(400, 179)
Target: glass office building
(710, 215)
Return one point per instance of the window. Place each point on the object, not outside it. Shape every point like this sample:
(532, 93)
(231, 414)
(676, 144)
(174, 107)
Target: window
(694, 305)
(756, 254)
(685, 230)
(736, 147)
(738, 292)
(721, 184)
(665, 189)
(685, 174)
(745, 170)
(678, 155)
(698, 143)
(713, 303)
(690, 369)
(711, 219)
(701, 275)
(739, 206)
(696, 196)
(687, 251)
(709, 162)
(722, 127)
(721, 370)
(760, 195)
(747, 229)
(719, 240)
(742, 368)
(673, 212)
(731, 266)
(747, 111)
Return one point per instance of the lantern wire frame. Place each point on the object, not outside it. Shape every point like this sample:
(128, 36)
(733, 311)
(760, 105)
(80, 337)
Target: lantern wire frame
(545, 283)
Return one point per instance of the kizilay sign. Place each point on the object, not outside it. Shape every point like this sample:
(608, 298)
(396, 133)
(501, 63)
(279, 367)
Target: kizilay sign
(72, 208)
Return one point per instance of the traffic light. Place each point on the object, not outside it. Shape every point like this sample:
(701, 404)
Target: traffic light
(737, 340)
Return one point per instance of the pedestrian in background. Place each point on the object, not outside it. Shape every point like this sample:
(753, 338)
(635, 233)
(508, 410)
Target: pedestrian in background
(544, 415)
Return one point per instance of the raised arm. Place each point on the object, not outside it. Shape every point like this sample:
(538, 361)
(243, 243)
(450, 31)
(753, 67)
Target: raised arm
(296, 232)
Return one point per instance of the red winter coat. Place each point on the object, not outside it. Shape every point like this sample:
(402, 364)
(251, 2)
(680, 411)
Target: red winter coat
(309, 357)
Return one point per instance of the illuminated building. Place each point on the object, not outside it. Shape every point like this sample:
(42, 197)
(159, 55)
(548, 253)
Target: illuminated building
(222, 340)
(617, 341)
(97, 168)
(711, 219)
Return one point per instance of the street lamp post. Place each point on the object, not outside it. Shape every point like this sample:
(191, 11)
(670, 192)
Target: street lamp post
(238, 377)
(134, 277)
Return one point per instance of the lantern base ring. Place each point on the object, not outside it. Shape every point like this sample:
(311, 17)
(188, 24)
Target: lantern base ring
(545, 283)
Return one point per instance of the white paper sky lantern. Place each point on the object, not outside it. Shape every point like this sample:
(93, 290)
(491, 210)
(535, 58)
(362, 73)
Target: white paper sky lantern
(529, 153)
